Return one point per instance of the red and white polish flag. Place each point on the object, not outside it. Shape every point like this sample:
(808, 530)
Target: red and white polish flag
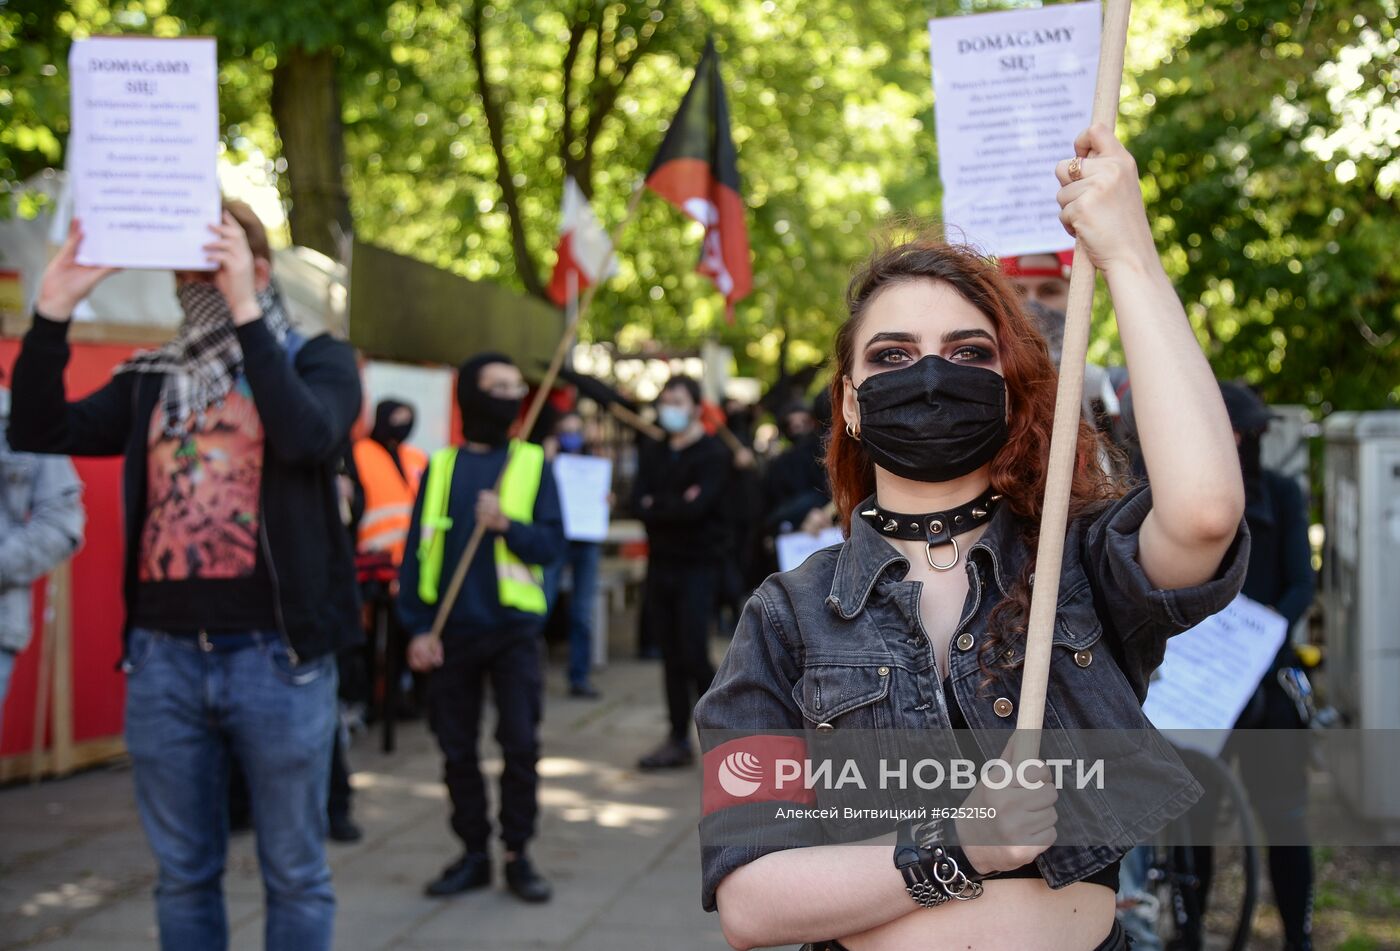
(583, 248)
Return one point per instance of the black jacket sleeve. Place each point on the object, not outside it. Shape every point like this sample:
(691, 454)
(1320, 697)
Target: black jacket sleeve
(307, 409)
(41, 417)
(415, 616)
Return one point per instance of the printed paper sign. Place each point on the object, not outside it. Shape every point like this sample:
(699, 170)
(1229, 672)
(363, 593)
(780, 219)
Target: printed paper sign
(143, 150)
(1011, 91)
(797, 547)
(584, 483)
(1210, 672)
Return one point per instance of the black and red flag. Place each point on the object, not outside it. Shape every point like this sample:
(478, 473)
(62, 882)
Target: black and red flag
(697, 170)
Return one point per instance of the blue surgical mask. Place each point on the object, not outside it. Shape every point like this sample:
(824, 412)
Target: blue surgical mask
(674, 419)
(571, 442)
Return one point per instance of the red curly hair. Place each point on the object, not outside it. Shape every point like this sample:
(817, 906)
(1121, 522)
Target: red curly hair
(1018, 469)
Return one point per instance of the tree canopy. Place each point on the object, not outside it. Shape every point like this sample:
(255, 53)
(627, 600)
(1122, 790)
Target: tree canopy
(1266, 133)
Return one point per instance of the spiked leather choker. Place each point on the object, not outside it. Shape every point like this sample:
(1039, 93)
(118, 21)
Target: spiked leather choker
(934, 528)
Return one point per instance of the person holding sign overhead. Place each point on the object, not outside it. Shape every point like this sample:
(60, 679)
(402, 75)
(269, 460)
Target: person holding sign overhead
(239, 582)
(937, 467)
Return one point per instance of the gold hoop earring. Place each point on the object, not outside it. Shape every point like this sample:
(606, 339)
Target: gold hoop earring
(852, 431)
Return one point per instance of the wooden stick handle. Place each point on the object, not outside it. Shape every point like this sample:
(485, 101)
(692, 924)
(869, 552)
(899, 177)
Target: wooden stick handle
(726, 436)
(459, 574)
(632, 419)
(1064, 437)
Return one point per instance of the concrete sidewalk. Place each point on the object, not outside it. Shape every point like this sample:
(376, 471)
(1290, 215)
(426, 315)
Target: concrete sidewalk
(619, 845)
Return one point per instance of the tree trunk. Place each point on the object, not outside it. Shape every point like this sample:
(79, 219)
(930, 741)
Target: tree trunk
(306, 109)
(505, 179)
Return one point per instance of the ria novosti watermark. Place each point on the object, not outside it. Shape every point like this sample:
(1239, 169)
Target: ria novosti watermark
(742, 773)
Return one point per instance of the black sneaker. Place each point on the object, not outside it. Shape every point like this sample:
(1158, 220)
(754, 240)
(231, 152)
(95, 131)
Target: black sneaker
(472, 870)
(584, 691)
(672, 754)
(526, 883)
(343, 829)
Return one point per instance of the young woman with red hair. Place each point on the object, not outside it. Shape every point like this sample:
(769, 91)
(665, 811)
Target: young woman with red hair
(917, 622)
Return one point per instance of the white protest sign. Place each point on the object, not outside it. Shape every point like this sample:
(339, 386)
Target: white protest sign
(584, 484)
(1210, 672)
(143, 150)
(1011, 91)
(797, 547)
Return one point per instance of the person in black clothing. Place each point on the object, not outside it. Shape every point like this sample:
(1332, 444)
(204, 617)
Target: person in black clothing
(1280, 577)
(743, 517)
(239, 584)
(795, 489)
(680, 484)
(492, 632)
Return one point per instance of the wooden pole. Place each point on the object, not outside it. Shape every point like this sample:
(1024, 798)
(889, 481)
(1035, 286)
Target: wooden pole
(459, 574)
(37, 752)
(626, 416)
(1064, 438)
(61, 761)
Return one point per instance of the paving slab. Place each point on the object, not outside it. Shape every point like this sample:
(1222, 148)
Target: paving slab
(618, 844)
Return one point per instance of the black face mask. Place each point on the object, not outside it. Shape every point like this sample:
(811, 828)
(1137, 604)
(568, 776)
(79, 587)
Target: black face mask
(486, 418)
(933, 421)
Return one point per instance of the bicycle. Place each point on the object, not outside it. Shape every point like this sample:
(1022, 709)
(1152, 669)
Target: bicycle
(1186, 916)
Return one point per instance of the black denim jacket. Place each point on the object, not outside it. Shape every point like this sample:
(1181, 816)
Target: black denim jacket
(837, 644)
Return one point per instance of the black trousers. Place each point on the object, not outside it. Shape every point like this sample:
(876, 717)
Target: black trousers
(1275, 776)
(680, 605)
(509, 660)
(338, 800)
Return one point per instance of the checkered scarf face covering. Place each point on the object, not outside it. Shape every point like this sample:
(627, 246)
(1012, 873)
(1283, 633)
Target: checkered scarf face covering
(203, 361)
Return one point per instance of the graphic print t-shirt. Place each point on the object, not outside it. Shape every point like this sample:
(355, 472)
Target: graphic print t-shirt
(200, 562)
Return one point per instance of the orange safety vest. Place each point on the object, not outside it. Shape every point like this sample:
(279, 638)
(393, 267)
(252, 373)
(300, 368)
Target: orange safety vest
(388, 496)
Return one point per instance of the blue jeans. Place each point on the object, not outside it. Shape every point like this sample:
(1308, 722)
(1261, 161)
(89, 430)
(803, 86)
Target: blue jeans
(7, 667)
(582, 560)
(187, 709)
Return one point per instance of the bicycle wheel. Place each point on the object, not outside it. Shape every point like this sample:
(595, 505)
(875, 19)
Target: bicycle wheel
(1209, 891)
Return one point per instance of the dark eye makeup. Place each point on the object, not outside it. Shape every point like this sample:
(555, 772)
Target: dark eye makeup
(901, 356)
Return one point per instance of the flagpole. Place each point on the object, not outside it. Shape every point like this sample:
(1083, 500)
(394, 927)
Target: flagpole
(532, 415)
(1064, 439)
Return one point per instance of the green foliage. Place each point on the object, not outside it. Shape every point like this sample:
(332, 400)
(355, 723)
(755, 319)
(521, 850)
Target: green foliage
(1265, 132)
(1269, 163)
(34, 41)
(831, 110)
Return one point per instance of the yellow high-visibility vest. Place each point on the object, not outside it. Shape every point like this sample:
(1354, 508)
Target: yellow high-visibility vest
(518, 585)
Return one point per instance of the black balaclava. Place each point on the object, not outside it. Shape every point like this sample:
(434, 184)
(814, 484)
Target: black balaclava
(485, 418)
(1249, 417)
(385, 432)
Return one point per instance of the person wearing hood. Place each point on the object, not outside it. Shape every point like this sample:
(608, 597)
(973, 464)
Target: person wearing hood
(493, 629)
(389, 470)
(41, 523)
(239, 579)
(1280, 577)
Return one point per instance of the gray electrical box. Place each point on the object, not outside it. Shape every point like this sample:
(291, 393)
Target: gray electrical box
(1361, 600)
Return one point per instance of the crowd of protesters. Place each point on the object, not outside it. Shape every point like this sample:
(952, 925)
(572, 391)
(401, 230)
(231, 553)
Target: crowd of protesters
(263, 541)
